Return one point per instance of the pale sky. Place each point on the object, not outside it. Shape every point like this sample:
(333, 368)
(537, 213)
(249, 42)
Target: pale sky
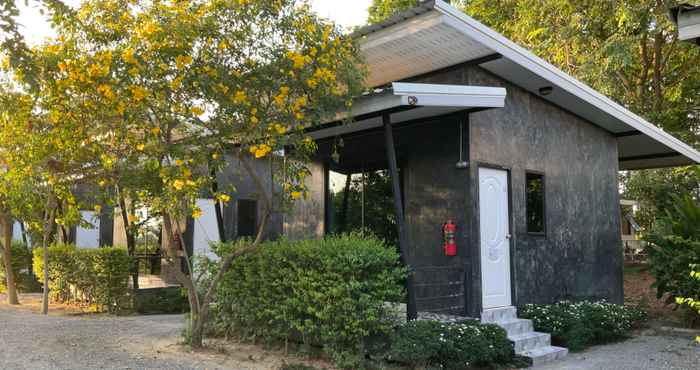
(347, 13)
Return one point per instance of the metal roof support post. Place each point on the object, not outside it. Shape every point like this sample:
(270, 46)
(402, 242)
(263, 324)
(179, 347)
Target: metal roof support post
(411, 311)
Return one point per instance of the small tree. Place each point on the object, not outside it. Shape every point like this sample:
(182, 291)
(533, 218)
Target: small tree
(170, 89)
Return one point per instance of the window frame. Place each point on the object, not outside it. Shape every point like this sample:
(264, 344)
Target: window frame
(543, 176)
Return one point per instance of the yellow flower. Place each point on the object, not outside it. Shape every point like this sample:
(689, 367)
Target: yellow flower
(106, 90)
(155, 130)
(102, 183)
(121, 107)
(183, 61)
(178, 184)
(254, 120)
(223, 198)
(296, 195)
(240, 97)
(179, 162)
(132, 218)
(298, 60)
(196, 213)
(312, 83)
(260, 150)
(128, 56)
(140, 147)
(215, 155)
(138, 92)
(98, 208)
(197, 111)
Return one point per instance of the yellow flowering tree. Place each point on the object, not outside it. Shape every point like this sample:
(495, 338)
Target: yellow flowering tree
(161, 92)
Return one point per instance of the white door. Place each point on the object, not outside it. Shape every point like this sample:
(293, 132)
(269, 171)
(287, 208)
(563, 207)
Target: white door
(495, 238)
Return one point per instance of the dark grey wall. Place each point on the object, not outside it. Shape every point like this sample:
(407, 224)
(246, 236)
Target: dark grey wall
(578, 258)
(235, 181)
(580, 255)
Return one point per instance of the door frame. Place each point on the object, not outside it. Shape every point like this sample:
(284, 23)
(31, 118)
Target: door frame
(477, 235)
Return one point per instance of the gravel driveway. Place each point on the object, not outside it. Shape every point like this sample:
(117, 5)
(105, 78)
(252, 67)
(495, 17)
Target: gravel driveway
(662, 352)
(32, 341)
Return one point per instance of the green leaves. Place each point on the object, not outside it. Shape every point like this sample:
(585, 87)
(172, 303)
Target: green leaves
(329, 292)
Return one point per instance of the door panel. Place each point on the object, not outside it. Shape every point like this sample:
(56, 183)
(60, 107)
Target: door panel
(494, 238)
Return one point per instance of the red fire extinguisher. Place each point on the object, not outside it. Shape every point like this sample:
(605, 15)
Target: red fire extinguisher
(448, 233)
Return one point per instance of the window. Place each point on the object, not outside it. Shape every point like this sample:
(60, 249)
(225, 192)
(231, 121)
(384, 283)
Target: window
(535, 203)
(247, 218)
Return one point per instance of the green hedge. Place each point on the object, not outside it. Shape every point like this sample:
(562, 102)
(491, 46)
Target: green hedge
(582, 324)
(431, 344)
(328, 292)
(89, 276)
(22, 267)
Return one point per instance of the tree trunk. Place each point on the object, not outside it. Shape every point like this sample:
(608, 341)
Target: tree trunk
(130, 242)
(48, 228)
(6, 224)
(217, 208)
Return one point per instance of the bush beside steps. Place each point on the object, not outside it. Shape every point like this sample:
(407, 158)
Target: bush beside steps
(578, 325)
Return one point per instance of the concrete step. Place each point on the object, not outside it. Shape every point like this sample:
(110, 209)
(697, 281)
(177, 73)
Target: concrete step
(517, 326)
(529, 341)
(498, 315)
(543, 355)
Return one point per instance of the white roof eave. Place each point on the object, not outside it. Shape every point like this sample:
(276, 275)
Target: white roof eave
(517, 54)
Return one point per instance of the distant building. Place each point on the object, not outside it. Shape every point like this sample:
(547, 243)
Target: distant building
(687, 17)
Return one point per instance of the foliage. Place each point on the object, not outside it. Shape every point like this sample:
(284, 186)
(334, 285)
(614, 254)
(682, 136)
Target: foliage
(657, 190)
(422, 344)
(88, 276)
(147, 99)
(577, 325)
(22, 268)
(674, 249)
(377, 204)
(328, 292)
(383, 9)
(692, 302)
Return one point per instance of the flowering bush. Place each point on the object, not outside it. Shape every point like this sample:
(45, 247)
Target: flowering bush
(451, 346)
(577, 325)
(692, 303)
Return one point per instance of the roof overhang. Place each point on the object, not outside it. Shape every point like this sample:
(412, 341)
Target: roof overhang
(687, 17)
(405, 102)
(435, 35)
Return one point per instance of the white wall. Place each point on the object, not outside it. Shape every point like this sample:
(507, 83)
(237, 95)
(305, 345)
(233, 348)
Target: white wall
(88, 238)
(17, 232)
(205, 229)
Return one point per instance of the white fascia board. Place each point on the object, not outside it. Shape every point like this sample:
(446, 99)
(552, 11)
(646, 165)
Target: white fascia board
(508, 49)
(434, 95)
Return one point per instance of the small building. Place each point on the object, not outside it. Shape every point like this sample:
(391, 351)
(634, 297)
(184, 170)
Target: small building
(687, 17)
(632, 245)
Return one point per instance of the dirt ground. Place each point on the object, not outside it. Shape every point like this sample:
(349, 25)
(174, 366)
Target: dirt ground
(638, 292)
(70, 339)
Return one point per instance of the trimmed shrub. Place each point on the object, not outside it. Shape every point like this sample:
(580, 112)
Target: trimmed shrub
(421, 344)
(329, 292)
(88, 276)
(582, 324)
(22, 267)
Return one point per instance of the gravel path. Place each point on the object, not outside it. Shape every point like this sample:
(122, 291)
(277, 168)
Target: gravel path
(32, 341)
(658, 352)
